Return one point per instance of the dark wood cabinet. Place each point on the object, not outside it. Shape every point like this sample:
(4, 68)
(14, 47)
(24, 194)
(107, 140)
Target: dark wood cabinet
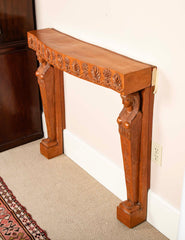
(20, 109)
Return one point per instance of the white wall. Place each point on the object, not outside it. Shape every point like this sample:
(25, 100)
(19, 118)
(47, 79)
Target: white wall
(150, 31)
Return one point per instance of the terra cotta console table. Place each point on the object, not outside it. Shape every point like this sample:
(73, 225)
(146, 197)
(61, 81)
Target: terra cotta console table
(58, 52)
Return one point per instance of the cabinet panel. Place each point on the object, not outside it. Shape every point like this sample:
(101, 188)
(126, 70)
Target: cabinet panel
(20, 115)
(16, 18)
(20, 111)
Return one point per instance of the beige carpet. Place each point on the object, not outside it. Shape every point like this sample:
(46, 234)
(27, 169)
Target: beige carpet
(64, 200)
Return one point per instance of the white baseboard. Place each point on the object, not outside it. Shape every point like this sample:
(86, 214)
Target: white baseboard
(44, 126)
(99, 167)
(161, 215)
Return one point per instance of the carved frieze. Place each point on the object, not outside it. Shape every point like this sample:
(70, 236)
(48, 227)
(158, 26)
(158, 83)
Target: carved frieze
(76, 68)
(67, 64)
(59, 61)
(107, 77)
(102, 76)
(53, 56)
(96, 75)
(48, 54)
(117, 81)
(30, 40)
(85, 71)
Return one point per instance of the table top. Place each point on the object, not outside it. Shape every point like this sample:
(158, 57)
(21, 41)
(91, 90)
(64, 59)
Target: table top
(90, 62)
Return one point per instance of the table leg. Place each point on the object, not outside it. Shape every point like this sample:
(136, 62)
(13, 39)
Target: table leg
(51, 86)
(135, 127)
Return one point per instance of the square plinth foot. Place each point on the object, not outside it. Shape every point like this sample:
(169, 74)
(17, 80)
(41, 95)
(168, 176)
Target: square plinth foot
(50, 149)
(131, 216)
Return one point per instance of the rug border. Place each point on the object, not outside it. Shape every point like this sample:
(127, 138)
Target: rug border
(23, 208)
(16, 218)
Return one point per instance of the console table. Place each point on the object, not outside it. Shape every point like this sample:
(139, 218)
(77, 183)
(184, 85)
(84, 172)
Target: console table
(133, 80)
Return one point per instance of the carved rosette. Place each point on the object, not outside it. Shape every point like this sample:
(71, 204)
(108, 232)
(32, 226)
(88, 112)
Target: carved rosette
(59, 61)
(30, 41)
(96, 75)
(105, 77)
(67, 64)
(48, 54)
(76, 68)
(39, 53)
(117, 82)
(85, 71)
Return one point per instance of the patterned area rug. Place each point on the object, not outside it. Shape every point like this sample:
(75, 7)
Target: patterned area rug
(15, 222)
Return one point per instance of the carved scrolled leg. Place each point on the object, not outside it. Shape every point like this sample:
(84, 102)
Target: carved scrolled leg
(51, 87)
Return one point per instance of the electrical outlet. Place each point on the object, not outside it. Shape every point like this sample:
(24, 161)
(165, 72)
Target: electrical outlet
(157, 153)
